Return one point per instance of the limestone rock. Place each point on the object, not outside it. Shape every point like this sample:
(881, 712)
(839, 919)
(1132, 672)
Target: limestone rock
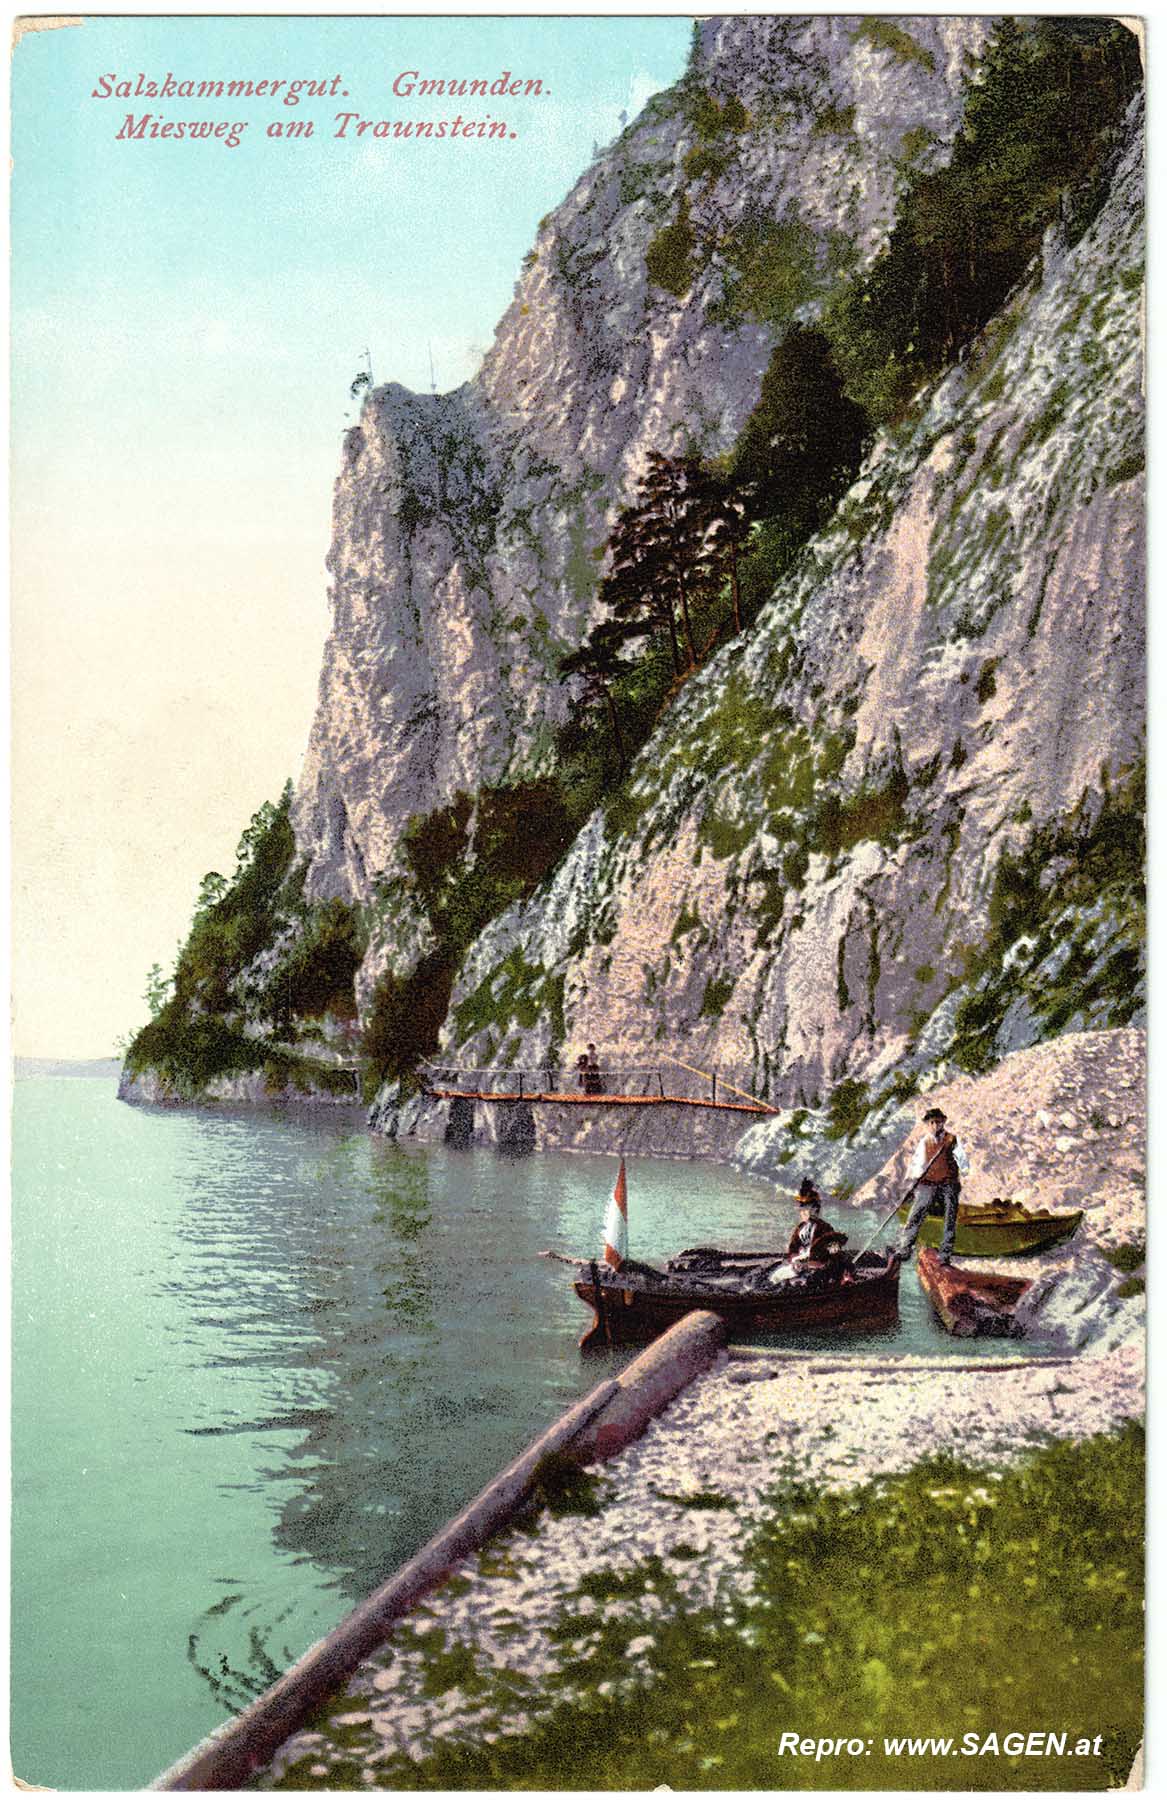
(889, 624)
(1067, 1308)
(955, 662)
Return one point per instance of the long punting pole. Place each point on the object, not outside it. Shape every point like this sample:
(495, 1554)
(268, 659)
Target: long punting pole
(901, 1202)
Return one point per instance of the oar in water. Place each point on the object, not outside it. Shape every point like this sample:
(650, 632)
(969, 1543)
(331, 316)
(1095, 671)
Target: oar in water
(902, 1202)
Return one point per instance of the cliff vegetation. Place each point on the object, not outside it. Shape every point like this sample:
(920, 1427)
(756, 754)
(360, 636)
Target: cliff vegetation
(261, 972)
(750, 657)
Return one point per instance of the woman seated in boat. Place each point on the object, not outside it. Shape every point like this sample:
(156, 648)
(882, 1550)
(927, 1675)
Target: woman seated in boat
(815, 1246)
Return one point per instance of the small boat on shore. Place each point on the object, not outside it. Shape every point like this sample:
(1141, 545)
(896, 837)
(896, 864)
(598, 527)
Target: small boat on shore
(636, 1303)
(967, 1302)
(1000, 1228)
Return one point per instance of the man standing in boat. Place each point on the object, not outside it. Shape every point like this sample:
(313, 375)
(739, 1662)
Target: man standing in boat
(937, 1166)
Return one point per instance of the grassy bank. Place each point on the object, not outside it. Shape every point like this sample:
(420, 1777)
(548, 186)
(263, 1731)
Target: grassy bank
(937, 1603)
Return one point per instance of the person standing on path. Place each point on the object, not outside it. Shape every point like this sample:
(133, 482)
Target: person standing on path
(937, 1166)
(593, 1080)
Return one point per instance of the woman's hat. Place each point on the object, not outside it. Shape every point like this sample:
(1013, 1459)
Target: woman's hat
(808, 1194)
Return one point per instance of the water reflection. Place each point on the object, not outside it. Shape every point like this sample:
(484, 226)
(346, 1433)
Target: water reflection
(390, 1308)
(258, 1360)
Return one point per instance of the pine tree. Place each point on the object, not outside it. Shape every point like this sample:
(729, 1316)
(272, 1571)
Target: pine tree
(727, 530)
(803, 441)
(598, 662)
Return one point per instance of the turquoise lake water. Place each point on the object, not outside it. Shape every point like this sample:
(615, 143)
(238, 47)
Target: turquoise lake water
(258, 1358)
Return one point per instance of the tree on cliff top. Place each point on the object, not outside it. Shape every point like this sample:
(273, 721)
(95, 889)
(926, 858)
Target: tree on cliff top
(1033, 150)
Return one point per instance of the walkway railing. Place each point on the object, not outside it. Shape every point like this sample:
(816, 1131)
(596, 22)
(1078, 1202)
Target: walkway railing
(661, 1081)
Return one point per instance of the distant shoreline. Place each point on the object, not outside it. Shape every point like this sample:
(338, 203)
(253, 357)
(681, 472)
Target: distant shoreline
(26, 1068)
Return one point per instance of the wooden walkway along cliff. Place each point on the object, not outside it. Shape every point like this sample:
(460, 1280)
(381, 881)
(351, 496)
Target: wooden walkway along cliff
(622, 1087)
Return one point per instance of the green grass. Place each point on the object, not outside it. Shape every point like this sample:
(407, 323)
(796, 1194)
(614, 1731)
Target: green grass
(1127, 469)
(623, 1583)
(938, 1602)
(688, 919)
(561, 1487)
(706, 160)
(770, 263)
(717, 992)
(877, 812)
(521, 830)
(670, 259)
(703, 1500)
(914, 142)
(847, 1108)
(725, 837)
(514, 993)
(987, 681)
(834, 120)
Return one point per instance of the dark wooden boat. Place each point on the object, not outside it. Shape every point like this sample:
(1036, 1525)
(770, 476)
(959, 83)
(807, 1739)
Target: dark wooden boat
(637, 1303)
(1001, 1228)
(967, 1302)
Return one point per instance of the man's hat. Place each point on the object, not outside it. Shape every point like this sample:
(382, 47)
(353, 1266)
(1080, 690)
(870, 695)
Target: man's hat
(934, 1112)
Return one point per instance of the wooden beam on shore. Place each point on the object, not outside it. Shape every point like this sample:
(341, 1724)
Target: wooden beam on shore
(233, 1753)
(596, 1427)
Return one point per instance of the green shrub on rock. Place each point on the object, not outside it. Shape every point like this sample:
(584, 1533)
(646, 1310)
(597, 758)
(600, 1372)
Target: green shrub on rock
(1033, 150)
(669, 258)
(464, 868)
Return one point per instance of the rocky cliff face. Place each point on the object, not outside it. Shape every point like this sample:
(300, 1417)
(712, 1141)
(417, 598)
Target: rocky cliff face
(888, 828)
(468, 527)
(956, 666)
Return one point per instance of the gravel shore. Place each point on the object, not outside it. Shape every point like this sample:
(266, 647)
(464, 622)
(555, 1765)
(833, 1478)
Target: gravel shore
(690, 1492)
(1059, 1125)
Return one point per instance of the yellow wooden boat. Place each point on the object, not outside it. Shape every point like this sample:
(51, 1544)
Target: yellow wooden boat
(1001, 1228)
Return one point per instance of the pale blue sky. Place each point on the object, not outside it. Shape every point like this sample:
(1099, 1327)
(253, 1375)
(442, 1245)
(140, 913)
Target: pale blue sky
(186, 322)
